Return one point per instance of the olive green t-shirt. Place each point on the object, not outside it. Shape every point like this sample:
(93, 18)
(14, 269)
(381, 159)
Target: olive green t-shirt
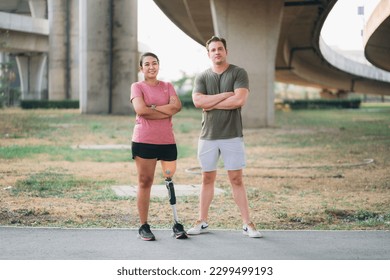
(221, 124)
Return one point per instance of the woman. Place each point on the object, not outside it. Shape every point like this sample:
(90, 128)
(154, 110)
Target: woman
(155, 102)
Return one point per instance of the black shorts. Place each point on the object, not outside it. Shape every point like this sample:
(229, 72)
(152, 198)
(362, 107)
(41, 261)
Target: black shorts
(151, 151)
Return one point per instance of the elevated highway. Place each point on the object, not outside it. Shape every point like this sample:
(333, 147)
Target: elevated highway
(301, 57)
(274, 40)
(24, 33)
(83, 50)
(376, 36)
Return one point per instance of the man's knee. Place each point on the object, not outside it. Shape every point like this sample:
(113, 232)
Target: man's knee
(208, 177)
(235, 178)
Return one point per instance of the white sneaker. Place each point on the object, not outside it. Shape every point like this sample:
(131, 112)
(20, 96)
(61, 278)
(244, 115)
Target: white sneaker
(250, 230)
(198, 228)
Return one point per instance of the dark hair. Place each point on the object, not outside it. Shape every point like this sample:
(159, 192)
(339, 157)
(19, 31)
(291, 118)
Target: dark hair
(215, 39)
(145, 55)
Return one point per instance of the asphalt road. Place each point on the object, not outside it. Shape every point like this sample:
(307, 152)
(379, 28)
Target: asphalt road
(27, 243)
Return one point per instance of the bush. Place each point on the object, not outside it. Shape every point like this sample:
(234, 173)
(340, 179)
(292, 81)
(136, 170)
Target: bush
(50, 104)
(186, 100)
(323, 104)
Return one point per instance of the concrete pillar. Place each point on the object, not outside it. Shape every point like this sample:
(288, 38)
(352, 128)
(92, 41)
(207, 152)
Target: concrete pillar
(74, 64)
(108, 55)
(34, 68)
(38, 8)
(252, 23)
(57, 50)
(22, 63)
(31, 72)
(94, 56)
(37, 72)
(125, 54)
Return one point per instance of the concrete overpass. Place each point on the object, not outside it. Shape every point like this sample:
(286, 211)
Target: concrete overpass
(91, 47)
(376, 36)
(26, 37)
(88, 49)
(275, 40)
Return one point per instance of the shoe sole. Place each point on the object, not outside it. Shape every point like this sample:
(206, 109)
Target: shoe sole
(197, 232)
(146, 239)
(253, 236)
(181, 236)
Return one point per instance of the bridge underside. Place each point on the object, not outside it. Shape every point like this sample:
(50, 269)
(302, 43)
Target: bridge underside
(376, 36)
(272, 38)
(298, 58)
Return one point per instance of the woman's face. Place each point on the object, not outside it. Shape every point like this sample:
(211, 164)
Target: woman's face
(150, 67)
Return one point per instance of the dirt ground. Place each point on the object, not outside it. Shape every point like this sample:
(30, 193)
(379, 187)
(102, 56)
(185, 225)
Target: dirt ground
(288, 187)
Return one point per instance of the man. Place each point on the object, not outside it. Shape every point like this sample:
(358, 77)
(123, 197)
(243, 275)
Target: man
(221, 91)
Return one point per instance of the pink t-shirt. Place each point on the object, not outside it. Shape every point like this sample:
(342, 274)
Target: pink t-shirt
(153, 131)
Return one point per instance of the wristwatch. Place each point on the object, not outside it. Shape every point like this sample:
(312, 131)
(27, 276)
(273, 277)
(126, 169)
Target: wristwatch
(153, 107)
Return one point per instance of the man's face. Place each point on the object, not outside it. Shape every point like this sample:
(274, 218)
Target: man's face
(217, 53)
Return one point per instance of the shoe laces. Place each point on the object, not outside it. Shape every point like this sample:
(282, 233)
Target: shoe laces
(146, 227)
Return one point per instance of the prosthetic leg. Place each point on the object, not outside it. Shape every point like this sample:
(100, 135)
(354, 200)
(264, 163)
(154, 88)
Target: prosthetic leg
(178, 229)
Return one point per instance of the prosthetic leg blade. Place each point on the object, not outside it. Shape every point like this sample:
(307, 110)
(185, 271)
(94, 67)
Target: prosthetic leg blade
(178, 229)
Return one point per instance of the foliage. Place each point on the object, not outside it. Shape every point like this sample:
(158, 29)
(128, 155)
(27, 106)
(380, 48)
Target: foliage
(8, 95)
(323, 103)
(50, 104)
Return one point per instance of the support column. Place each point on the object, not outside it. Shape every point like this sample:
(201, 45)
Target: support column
(31, 69)
(34, 66)
(38, 8)
(94, 20)
(108, 55)
(57, 50)
(74, 64)
(125, 54)
(251, 29)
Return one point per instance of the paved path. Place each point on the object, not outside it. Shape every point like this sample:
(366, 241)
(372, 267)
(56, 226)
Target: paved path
(28, 243)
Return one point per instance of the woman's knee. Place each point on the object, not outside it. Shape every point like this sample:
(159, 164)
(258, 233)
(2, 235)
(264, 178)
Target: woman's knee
(145, 181)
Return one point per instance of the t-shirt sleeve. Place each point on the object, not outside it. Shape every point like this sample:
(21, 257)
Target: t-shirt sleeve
(199, 84)
(242, 80)
(171, 90)
(135, 91)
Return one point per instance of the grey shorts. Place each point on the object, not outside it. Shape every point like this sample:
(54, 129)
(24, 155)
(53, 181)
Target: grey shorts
(232, 152)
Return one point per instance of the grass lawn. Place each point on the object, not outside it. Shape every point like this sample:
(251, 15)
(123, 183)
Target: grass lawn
(315, 169)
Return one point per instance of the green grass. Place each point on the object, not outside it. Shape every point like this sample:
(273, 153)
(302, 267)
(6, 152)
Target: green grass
(70, 154)
(313, 138)
(56, 153)
(360, 217)
(338, 128)
(371, 120)
(53, 184)
(49, 124)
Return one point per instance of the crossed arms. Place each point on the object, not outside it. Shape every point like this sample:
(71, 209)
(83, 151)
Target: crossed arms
(158, 112)
(223, 101)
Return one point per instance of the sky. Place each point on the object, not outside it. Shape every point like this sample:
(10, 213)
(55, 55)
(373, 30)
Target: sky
(176, 51)
(179, 53)
(343, 26)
